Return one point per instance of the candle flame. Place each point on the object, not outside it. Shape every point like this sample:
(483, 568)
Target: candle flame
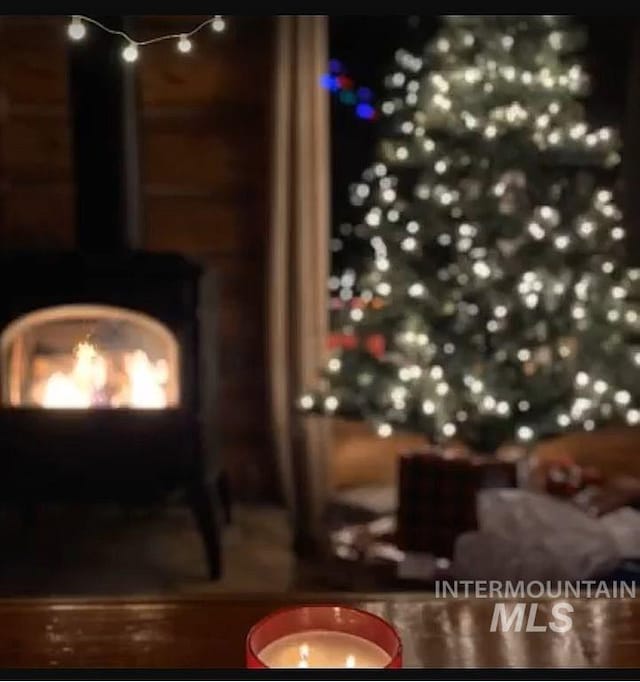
(351, 661)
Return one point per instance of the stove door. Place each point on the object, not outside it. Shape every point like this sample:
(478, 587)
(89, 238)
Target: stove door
(89, 356)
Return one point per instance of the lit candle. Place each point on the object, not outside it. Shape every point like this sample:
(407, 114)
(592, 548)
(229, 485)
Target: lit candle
(323, 636)
(323, 649)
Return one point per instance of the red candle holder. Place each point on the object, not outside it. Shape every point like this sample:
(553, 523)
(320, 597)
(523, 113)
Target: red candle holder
(302, 623)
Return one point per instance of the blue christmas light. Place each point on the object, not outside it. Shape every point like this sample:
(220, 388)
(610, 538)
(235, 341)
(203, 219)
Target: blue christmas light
(335, 66)
(329, 82)
(364, 110)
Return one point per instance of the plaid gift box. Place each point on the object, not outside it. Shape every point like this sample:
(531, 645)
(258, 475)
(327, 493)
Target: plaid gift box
(437, 500)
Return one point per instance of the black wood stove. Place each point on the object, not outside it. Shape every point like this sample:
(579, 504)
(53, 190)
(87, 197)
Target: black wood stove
(107, 353)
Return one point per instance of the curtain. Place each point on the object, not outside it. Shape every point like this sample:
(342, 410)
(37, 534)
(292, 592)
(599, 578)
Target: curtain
(298, 265)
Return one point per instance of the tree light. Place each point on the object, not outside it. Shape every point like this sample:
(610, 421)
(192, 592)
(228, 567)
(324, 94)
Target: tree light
(633, 416)
(428, 407)
(502, 408)
(600, 386)
(449, 429)
(582, 379)
(331, 403)
(536, 231)
(622, 397)
(384, 430)
(416, 290)
(525, 433)
(306, 401)
(481, 269)
(613, 315)
(488, 402)
(442, 388)
(500, 311)
(334, 365)
(436, 372)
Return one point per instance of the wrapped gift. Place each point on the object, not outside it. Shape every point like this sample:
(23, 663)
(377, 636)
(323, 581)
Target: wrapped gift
(437, 498)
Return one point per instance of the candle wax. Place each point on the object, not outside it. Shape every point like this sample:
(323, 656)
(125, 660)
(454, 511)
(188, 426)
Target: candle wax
(323, 649)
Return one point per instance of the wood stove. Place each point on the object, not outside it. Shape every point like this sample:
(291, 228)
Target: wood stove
(107, 353)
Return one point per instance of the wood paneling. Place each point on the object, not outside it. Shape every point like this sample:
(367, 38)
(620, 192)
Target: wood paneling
(36, 185)
(204, 131)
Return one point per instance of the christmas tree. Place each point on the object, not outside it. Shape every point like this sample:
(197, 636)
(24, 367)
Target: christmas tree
(496, 305)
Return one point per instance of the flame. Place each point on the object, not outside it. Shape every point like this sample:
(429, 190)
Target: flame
(88, 384)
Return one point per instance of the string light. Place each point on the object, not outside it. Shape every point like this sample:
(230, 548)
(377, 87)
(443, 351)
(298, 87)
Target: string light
(633, 417)
(130, 53)
(502, 408)
(384, 430)
(77, 30)
(622, 397)
(416, 290)
(525, 433)
(306, 401)
(449, 429)
(218, 24)
(184, 44)
(334, 365)
(331, 403)
(428, 407)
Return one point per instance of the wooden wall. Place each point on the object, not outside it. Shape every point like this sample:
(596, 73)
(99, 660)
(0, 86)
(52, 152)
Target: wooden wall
(204, 120)
(36, 174)
(205, 167)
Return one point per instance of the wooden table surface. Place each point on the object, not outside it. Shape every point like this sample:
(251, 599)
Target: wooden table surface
(209, 632)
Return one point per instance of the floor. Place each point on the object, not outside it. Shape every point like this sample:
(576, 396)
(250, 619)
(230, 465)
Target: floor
(106, 551)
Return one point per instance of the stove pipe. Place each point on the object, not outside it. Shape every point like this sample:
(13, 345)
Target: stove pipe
(103, 99)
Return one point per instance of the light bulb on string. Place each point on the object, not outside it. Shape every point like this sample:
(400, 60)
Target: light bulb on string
(76, 29)
(218, 24)
(184, 44)
(130, 53)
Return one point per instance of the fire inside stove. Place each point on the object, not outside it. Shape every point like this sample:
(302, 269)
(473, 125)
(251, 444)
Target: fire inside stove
(82, 357)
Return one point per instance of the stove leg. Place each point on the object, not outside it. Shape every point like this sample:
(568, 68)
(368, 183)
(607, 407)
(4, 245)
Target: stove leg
(204, 504)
